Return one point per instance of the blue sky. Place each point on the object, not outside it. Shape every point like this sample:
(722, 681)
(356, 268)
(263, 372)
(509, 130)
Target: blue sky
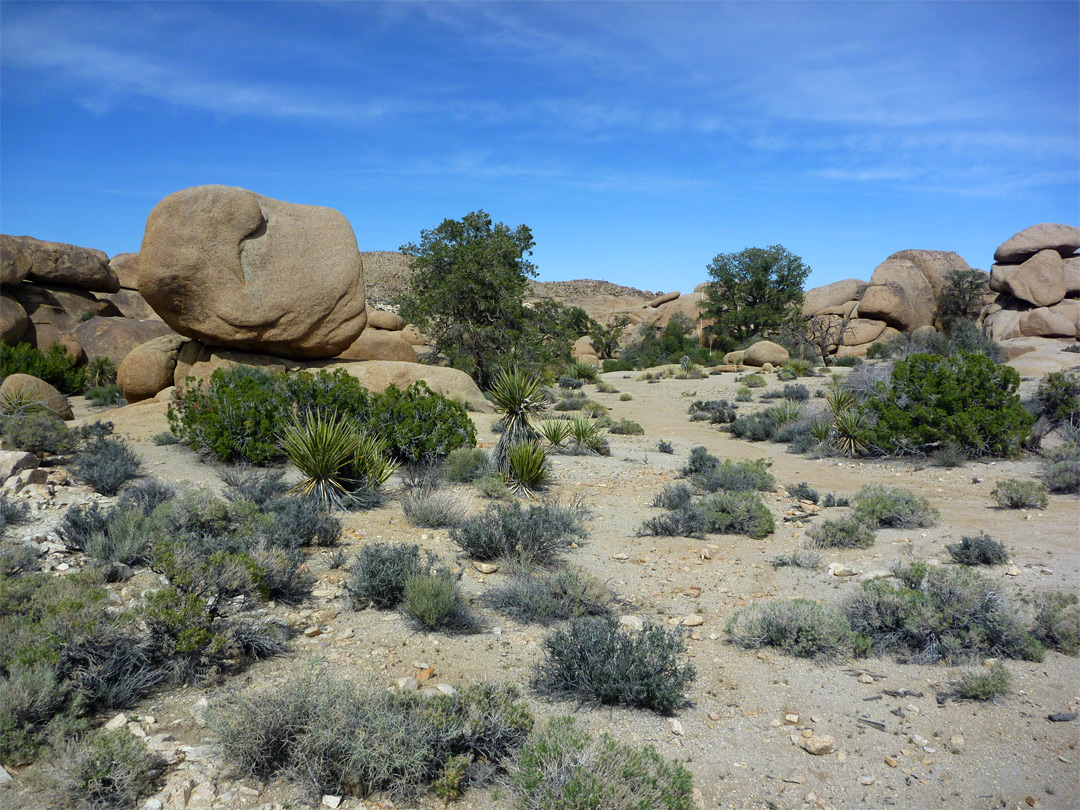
(636, 140)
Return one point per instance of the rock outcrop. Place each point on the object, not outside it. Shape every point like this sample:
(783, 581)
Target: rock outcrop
(59, 263)
(450, 382)
(765, 351)
(38, 390)
(233, 268)
(378, 344)
(149, 368)
(1065, 239)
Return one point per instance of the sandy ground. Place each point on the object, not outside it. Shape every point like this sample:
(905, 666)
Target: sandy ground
(732, 736)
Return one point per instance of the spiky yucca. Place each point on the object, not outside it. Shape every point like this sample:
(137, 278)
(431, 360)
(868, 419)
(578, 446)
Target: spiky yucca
(527, 468)
(554, 431)
(519, 397)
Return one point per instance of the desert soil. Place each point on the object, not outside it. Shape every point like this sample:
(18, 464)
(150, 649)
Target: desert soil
(733, 735)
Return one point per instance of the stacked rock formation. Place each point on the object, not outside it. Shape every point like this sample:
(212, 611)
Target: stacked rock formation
(1036, 274)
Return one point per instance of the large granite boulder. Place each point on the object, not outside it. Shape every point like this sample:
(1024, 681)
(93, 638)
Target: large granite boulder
(378, 344)
(69, 306)
(233, 268)
(39, 390)
(1002, 319)
(899, 294)
(935, 265)
(126, 268)
(149, 368)
(131, 305)
(13, 320)
(765, 351)
(862, 330)
(382, 319)
(15, 261)
(1040, 280)
(377, 375)
(837, 294)
(663, 298)
(1064, 239)
(1046, 322)
(59, 263)
(116, 337)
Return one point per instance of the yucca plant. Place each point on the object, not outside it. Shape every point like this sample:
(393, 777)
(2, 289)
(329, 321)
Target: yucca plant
(19, 402)
(785, 412)
(371, 464)
(100, 371)
(322, 445)
(585, 433)
(527, 467)
(580, 370)
(519, 397)
(848, 428)
(554, 431)
(840, 400)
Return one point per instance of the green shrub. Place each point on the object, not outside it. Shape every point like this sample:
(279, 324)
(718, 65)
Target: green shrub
(381, 571)
(887, 507)
(700, 461)
(1057, 622)
(665, 447)
(38, 432)
(165, 438)
(12, 511)
(625, 398)
(798, 627)
(492, 485)
(878, 351)
(562, 769)
(111, 769)
(537, 534)
(966, 399)
(106, 465)
(465, 464)
(797, 559)
(102, 396)
(755, 427)
(432, 507)
(941, 614)
(847, 362)
(981, 685)
(753, 381)
(803, 492)
(339, 736)
(981, 549)
(846, 532)
(1058, 397)
(54, 365)
(100, 372)
(580, 370)
(604, 387)
(543, 598)
(737, 513)
(673, 496)
(743, 394)
(594, 659)
(715, 411)
(1020, 493)
(434, 602)
(418, 425)
(626, 427)
(736, 476)
(1061, 472)
(832, 500)
(949, 455)
(687, 520)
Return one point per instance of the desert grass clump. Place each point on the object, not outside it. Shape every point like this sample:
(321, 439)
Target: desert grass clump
(537, 597)
(331, 735)
(627, 427)
(982, 685)
(562, 767)
(433, 601)
(797, 627)
(492, 485)
(12, 511)
(665, 447)
(1020, 493)
(1061, 472)
(465, 465)
(737, 513)
(1057, 622)
(736, 476)
(432, 507)
(673, 496)
(604, 387)
(106, 464)
(743, 394)
(109, 769)
(950, 455)
(889, 507)
(798, 558)
(381, 570)
(594, 659)
(847, 532)
(537, 534)
(165, 438)
(101, 371)
(803, 492)
(981, 549)
(753, 381)
(626, 398)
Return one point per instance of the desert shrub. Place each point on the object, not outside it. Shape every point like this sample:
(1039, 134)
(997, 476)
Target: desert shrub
(983, 685)
(1020, 493)
(604, 387)
(101, 371)
(1058, 397)
(569, 383)
(109, 769)
(672, 496)
(165, 438)
(527, 467)
(716, 411)
(146, 496)
(803, 492)
(1061, 471)
(889, 507)
(941, 614)
(252, 484)
(737, 513)
(104, 395)
(832, 500)
(626, 427)
(797, 559)
(796, 393)
(580, 370)
(950, 455)
(798, 627)
(753, 381)
(433, 601)
(432, 507)
(575, 403)
(106, 465)
(981, 549)
(595, 659)
(124, 541)
(465, 464)
(418, 425)
(736, 476)
(381, 570)
(800, 368)
(847, 532)
(665, 447)
(292, 522)
(743, 394)
(332, 735)
(38, 432)
(561, 767)
(80, 523)
(1057, 622)
(966, 399)
(54, 365)
(542, 598)
(537, 534)
(687, 520)
(594, 410)
(492, 485)
(847, 362)
(878, 351)
(626, 398)
(12, 511)
(755, 427)
(700, 461)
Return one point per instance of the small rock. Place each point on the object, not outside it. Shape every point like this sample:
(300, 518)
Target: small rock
(864, 678)
(153, 804)
(634, 623)
(313, 631)
(892, 763)
(841, 570)
(791, 719)
(331, 801)
(866, 780)
(485, 567)
(676, 727)
(5, 777)
(819, 745)
(693, 620)
(620, 556)
(795, 779)
(407, 684)
(446, 689)
(714, 716)
(117, 722)
(1013, 571)
(1030, 801)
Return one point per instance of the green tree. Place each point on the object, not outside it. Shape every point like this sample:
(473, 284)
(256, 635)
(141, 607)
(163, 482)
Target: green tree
(606, 339)
(752, 292)
(961, 295)
(468, 289)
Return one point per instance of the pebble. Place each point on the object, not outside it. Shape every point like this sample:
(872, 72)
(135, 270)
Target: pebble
(118, 722)
(892, 763)
(676, 727)
(819, 745)
(864, 678)
(795, 779)
(791, 719)
(634, 623)
(693, 620)
(331, 801)
(485, 567)
(841, 570)
(866, 780)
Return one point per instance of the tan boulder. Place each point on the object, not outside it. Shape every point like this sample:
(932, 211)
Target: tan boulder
(899, 294)
(234, 268)
(663, 299)
(60, 263)
(41, 335)
(1064, 239)
(131, 305)
(734, 358)
(377, 375)
(115, 337)
(39, 390)
(13, 320)
(1039, 281)
(377, 344)
(852, 351)
(413, 335)
(15, 261)
(1072, 276)
(13, 462)
(935, 265)
(1070, 309)
(148, 369)
(591, 359)
(126, 268)
(765, 351)
(819, 299)
(1004, 322)
(889, 334)
(1045, 322)
(199, 361)
(862, 330)
(381, 319)
(69, 305)
(582, 347)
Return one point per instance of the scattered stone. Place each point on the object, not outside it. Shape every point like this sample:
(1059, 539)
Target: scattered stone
(407, 684)
(331, 801)
(864, 678)
(118, 722)
(693, 620)
(676, 727)
(819, 745)
(791, 719)
(485, 567)
(892, 763)
(866, 780)
(841, 570)
(445, 689)
(795, 779)
(1062, 717)
(313, 631)
(634, 623)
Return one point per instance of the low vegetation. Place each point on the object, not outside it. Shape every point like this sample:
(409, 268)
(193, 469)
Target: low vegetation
(981, 549)
(543, 597)
(1020, 493)
(535, 535)
(798, 627)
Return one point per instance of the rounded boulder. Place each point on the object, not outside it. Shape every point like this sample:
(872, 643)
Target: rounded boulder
(765, 351)
(39, 390)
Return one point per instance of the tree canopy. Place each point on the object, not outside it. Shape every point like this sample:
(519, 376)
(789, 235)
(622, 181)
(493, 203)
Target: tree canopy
(752, 292)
